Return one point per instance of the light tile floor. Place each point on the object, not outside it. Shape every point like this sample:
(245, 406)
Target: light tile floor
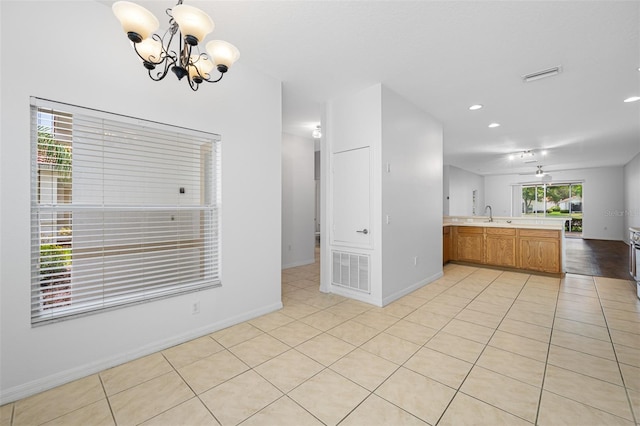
(478, 346)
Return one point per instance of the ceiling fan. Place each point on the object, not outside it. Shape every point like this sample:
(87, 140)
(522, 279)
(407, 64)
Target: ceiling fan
(546, 177)
(540, 172)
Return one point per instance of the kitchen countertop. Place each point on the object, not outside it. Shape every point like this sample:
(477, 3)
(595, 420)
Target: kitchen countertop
(505, 222)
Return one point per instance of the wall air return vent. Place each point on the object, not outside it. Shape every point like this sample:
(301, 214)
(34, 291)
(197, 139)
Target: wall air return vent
(350, 270)
(550, 72)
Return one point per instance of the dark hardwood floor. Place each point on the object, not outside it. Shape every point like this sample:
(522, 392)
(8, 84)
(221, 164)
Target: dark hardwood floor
(600, 258)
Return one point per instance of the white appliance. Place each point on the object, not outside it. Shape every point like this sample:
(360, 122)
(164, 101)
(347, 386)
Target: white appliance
(634, 256)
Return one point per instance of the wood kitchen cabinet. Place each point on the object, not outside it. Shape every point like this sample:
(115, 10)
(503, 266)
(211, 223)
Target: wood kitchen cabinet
(527, 249)
(468, 244)
(446, 244)
(501, 247)
(539, 250)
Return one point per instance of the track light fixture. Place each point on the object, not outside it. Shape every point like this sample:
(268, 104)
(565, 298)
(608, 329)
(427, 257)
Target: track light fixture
(192, 25)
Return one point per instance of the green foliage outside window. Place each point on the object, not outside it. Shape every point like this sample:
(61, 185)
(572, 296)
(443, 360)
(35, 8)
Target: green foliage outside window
(51, 151)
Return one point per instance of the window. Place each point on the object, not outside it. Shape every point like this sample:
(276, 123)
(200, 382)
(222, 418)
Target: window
(122, 211)
(562, 200)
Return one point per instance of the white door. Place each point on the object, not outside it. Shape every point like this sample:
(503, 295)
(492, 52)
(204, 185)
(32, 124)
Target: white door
(351, 197)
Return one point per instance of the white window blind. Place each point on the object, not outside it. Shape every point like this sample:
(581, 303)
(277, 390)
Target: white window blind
(122, 211)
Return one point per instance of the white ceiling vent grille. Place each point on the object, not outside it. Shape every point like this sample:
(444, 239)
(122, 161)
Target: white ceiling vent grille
(351, 270)
(550, 72)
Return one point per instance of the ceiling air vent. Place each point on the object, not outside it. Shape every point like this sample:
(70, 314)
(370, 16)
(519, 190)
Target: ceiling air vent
(550, 72)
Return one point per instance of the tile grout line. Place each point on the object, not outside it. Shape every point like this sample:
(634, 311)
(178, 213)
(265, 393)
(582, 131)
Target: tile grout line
(482, 352)
(13, 411)
(421, 347)
(546, 362)
(399, 366)
(585, 375)
(106, 397)
(175, 370)
(615, 354)
(443, 291)
(447, 323)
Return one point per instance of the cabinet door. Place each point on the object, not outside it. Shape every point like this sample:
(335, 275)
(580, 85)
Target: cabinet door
(469, 244)
(446, 244)
(501, 250)
(540, 254)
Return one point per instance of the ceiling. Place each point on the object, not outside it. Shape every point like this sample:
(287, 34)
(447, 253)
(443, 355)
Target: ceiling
(444, 56)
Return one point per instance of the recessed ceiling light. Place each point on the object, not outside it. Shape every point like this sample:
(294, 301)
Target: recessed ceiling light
(632, 99)
(544, 152)
(475, 107)
(492, 125)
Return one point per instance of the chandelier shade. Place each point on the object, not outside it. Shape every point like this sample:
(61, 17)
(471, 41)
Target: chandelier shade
(178, 49)
(150, 50)
(136, 21)
(200, 69)
(223, 53)
(194, 24)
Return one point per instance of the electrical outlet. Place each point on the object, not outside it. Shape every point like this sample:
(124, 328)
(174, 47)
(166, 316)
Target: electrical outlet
(388, 219)
(195, 309)
(415, 261)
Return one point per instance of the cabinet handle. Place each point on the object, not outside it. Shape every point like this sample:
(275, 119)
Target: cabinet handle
(365, 231)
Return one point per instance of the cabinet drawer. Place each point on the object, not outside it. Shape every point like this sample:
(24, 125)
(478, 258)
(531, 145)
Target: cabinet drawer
(540, 233)
(501, 231)
(470, 230)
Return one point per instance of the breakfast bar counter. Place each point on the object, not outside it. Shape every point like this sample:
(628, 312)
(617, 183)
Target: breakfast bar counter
(527, 244)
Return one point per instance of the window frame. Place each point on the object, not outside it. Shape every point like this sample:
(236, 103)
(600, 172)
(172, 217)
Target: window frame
(203, 218)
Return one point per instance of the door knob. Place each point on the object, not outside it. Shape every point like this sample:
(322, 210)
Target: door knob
(365, 231)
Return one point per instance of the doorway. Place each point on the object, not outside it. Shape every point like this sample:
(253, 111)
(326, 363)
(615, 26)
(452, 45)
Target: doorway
(555, 200)
(351, 198)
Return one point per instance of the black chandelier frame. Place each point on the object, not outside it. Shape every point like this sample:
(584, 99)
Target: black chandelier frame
(178, 64)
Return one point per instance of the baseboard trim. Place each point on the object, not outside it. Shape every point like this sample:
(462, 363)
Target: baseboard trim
(353, 294)
(397, 295)
(36, 386)
(368, 298)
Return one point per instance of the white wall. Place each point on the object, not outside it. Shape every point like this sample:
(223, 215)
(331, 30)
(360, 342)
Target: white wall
(460, 191)
(410, 141)
(89, 62)
(298, 201)
(411, 196)
(603, 197)
(631, 195)
(445, 189)
(350, 122)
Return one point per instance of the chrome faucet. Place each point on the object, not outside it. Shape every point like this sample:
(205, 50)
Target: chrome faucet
(490, 213)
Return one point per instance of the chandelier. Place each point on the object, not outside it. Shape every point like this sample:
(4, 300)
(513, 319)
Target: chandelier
(158, 56)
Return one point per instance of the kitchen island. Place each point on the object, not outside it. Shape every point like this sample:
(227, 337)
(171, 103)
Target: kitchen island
(527, 244)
